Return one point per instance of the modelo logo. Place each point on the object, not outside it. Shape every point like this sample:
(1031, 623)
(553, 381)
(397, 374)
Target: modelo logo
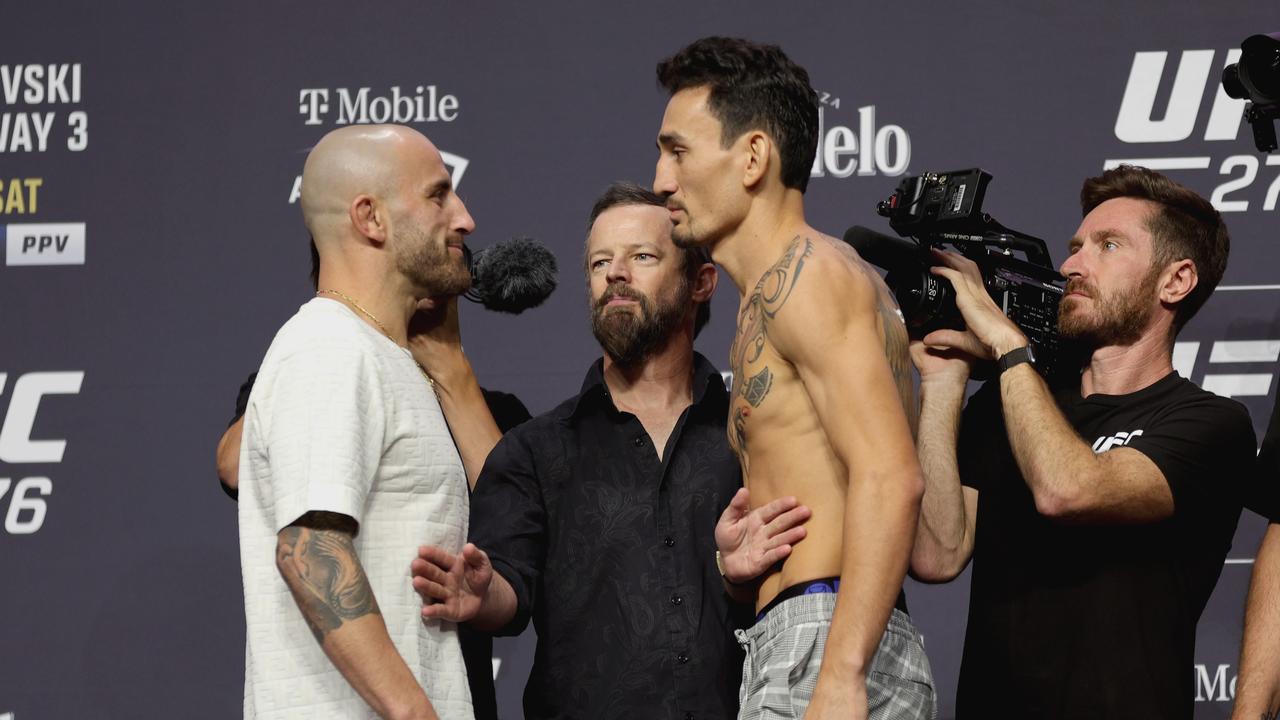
(871, 150)
(26, 498)
(1215, 687)
(1196, 73)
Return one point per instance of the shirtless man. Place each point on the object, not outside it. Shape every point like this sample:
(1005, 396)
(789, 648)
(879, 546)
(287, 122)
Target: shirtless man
(822, 400)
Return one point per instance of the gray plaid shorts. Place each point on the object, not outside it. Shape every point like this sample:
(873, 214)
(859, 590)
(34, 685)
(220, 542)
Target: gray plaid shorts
(784, 654)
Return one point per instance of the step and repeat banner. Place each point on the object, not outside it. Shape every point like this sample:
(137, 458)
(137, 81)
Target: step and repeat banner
(150, 156)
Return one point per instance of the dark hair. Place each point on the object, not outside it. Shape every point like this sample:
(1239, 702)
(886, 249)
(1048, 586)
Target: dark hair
(1186, 226)
(752, 87)
(625, 193)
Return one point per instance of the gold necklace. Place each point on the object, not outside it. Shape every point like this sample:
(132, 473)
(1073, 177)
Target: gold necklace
(383, 328)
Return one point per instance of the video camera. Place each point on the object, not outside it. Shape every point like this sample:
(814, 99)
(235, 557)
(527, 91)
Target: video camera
(1256, 78)
(945, 208)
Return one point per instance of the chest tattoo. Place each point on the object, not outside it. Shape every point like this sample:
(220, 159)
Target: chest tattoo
(752, 383)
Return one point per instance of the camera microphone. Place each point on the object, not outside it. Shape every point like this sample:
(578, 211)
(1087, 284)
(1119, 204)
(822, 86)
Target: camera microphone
(886, 251)
(512, 276)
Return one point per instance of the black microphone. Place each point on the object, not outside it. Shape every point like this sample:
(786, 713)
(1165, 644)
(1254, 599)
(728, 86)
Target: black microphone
(884, 251)
(512, 276)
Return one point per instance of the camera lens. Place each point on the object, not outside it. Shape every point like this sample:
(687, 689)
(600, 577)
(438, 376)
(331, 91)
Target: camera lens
(927, 301)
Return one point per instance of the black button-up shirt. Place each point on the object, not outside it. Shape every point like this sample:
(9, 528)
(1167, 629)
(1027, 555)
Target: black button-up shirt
(611, 553)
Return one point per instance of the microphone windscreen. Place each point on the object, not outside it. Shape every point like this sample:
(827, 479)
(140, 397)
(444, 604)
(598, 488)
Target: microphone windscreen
(885, 251)
(513, 275)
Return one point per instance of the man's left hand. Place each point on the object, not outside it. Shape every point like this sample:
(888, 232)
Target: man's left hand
(453, 587)
(995, 332)
(752, 541)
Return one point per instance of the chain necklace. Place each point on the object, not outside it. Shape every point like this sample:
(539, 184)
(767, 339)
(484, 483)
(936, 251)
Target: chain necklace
(351, 301)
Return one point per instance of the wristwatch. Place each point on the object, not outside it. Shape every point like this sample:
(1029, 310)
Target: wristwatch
(1024, 354)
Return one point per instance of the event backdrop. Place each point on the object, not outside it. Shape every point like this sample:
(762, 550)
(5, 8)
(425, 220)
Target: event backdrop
(149, 163)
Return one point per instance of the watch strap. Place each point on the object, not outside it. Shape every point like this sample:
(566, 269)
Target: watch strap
(1016, 357)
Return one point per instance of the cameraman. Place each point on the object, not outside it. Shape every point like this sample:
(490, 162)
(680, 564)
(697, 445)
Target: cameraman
(1109, 500)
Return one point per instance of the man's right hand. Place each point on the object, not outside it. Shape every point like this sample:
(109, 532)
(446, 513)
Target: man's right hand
(752, 541)
(453, 587)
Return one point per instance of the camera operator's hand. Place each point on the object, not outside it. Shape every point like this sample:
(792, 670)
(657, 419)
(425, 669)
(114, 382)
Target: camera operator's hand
(995, 334)
(941, 356)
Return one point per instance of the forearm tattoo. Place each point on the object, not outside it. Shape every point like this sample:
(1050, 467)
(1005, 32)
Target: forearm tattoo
(318, 561)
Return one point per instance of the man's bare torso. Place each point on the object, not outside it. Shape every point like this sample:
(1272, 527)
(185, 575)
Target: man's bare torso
(773, 426)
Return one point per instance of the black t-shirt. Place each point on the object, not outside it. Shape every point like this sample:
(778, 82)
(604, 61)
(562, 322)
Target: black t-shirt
(1098, 621)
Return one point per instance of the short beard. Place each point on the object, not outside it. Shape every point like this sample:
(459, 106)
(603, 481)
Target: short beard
(431, 269)
(1118, 319)
(629, 336)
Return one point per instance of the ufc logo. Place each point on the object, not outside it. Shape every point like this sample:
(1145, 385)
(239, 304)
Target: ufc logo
(16, 445)
(1120, 439)
(1136, 124)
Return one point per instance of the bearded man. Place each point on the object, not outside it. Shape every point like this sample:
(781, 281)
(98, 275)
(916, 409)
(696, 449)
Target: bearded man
(346, 464)
(598, 520)
(1109, 498)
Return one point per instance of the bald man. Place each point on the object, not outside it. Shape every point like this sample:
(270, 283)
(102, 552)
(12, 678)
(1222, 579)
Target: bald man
(346, 465)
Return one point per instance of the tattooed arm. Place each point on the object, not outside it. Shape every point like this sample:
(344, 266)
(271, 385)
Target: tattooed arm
(1258, 694)
(318, 562)
(849, 350)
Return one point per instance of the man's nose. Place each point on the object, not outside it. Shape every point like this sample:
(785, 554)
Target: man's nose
(619, 271)
(464, 223)
(664, 180)
(1072, 266)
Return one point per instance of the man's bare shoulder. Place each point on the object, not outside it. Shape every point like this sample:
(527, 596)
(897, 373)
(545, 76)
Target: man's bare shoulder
(822, 279)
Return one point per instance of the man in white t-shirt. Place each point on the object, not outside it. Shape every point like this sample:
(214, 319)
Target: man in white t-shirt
(347, 465)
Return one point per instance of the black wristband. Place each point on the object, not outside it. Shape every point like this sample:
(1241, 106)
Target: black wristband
(1015, 357)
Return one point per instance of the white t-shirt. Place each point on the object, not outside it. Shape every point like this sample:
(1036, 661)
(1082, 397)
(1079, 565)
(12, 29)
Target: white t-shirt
(341, 420)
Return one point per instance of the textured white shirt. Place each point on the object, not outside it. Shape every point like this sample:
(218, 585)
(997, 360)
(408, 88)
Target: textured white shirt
(341, 420)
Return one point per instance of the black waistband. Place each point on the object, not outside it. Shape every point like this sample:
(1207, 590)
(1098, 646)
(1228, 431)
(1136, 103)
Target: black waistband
(821, 585)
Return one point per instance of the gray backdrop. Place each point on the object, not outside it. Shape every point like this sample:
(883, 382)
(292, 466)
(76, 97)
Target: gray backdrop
(156, 149)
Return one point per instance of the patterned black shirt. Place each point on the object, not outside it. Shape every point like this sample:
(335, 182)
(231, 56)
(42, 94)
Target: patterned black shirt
(611, 553)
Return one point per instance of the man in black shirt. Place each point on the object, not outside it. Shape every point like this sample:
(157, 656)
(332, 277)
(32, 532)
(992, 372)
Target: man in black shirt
(1108, 501)
(598, 520)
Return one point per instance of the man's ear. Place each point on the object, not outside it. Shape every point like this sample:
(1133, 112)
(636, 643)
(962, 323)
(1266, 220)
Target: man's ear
(1177, 281)
(704, 283)
(758, 154)
(369, 217)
